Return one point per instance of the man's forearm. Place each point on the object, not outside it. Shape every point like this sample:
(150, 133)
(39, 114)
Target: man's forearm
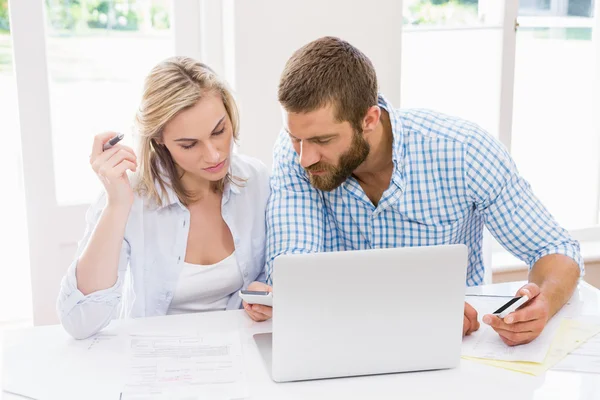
(557, 276)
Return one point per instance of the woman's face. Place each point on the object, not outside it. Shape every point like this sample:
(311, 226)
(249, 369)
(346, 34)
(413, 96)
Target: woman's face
(200, 139)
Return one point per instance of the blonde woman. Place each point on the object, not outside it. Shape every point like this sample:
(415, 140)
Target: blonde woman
(188, 231)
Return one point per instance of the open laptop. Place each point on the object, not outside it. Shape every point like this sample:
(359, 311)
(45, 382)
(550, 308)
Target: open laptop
(366, 312)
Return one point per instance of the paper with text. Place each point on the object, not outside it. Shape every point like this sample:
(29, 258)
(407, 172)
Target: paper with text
(486, 343)
(571, 334)
(186, 367)
(585, 358)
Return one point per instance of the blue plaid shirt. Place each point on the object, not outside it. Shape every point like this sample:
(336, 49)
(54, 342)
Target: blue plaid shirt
(450, 179)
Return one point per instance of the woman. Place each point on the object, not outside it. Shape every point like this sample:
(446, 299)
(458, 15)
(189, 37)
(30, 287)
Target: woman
(188, 231)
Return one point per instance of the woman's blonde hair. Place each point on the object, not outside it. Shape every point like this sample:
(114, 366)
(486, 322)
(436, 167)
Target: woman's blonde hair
(174, 85)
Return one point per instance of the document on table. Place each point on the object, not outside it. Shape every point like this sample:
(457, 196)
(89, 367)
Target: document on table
(486, 343)
(571, 334)
(186, 367)
(586, 358)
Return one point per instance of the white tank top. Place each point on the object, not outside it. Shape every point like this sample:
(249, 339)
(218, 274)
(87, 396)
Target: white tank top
(206, 287)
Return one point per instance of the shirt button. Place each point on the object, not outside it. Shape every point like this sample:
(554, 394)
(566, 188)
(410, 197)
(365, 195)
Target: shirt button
(246, 274)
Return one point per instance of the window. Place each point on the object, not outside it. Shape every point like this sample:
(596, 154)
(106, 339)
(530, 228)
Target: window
(555, 140)
(451, 59)
(452, 53)
(98, 55)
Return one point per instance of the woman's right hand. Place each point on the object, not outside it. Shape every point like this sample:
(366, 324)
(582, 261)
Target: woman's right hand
(111, 167)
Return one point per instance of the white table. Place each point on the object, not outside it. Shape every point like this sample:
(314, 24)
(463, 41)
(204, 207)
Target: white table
(469, 381)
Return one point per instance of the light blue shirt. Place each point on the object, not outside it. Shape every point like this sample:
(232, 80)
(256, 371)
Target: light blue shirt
(154, 249)
(450, 178)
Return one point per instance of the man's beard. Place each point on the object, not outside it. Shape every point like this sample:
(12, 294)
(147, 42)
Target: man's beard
(349, 161)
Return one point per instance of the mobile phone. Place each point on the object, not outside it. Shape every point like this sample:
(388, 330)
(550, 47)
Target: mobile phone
(257, 297)
(511, 306)
(112, 141)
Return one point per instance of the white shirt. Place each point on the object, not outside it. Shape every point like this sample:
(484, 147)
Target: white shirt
(206, 287)
(154, 249)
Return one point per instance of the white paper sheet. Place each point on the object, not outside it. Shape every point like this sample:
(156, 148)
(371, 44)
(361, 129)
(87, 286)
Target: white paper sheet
(572, 333)
(586, 358)
(186, 367)
(486, 343)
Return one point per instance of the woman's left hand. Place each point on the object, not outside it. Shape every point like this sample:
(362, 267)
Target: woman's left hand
(259, 312)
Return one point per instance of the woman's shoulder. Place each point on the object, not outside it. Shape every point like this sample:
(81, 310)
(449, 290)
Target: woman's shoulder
(248, 167)
(253, 174)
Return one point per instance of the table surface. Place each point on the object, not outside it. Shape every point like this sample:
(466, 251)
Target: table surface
(470, 380)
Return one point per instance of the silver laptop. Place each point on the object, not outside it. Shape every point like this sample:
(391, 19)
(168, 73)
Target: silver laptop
(366, 312)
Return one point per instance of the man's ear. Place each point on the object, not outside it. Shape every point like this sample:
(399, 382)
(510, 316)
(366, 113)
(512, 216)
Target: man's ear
(371, 119)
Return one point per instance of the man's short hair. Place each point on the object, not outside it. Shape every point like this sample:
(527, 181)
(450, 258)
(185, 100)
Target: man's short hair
(329, 71)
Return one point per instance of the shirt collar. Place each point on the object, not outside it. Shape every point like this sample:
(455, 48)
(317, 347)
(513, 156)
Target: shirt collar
(397, 133)
(398, 175)
(398, 156)
(169, 197)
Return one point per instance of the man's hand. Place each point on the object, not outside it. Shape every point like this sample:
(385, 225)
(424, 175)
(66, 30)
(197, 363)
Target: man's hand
(525, 324)
(259, 312)
(470, 323)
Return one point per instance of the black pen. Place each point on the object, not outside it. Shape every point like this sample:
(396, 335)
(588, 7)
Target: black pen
(112, 142)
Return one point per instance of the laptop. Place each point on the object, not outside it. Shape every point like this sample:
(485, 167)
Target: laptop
(366, 312)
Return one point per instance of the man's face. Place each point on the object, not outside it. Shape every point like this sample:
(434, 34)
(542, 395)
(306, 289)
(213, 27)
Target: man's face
(328, 150)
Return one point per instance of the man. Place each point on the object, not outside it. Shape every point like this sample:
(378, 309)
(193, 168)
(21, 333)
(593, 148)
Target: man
(351, 172)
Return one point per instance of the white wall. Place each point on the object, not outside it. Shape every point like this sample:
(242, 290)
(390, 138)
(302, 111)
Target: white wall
(267, 32)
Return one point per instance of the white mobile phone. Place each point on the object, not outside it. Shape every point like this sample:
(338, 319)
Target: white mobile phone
(257, 297)
(511, 306)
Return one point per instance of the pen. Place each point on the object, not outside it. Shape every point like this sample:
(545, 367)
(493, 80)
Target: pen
(112, 142)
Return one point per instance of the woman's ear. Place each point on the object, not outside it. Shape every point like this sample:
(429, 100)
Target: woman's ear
(156, 146)
(158, 142)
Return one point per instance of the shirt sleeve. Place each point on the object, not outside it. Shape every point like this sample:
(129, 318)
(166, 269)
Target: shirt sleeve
(295, 212)
(511, 211)
(81, 315)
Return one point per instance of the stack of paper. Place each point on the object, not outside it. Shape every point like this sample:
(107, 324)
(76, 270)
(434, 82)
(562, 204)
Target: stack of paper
(562, 335)
(585, 358)
(570, 335)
